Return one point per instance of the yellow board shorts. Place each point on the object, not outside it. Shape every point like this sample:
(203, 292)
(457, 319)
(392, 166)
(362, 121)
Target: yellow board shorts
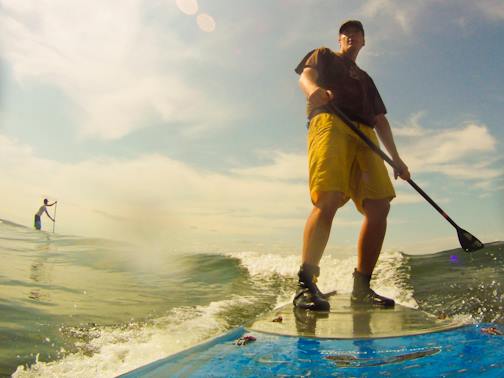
(339, 161)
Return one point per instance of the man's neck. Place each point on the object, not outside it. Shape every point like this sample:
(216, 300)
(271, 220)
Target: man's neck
(352, 55)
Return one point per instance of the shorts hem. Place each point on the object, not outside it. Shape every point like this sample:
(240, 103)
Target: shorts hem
(360, 206)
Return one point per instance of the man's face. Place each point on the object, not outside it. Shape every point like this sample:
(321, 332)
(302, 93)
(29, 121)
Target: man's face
(351, 38)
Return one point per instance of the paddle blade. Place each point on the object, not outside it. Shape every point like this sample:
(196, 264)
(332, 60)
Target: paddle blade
(469, 243)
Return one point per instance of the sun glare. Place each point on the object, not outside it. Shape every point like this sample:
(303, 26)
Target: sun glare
(188, 6)
(206, 22)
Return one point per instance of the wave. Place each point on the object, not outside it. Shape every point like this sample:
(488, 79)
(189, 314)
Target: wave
(212, 293)
(264, 282)
(110, 351)
(391, 275)
(454, 282)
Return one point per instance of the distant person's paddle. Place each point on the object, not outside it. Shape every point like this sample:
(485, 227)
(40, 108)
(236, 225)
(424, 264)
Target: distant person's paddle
(54, 223)
(468, 242)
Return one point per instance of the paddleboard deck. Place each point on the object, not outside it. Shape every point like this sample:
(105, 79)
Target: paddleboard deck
(347, 321)
(347, 341)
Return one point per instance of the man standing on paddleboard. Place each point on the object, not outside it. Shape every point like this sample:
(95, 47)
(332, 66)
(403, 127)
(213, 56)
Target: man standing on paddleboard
(342, 166)
(41, 211)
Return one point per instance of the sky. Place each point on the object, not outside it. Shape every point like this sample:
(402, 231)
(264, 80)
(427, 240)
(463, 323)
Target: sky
(179, 124)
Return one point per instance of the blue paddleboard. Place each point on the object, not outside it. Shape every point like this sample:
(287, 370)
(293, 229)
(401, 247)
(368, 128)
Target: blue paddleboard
(347, 341)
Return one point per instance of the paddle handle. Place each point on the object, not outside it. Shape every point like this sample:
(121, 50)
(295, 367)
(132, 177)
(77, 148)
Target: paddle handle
(385, 157)
(434, 204)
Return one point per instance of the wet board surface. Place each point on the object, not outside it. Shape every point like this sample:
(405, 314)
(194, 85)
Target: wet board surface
(346, 321)
(346, 342)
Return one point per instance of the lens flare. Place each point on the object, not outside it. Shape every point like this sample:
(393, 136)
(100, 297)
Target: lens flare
(205, 22)
(189, 7)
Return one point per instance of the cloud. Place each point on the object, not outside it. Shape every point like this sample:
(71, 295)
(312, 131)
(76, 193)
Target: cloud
(148, 197)
(466, 160)
(466, 153)
(151, 197)
(119, 68)
(409, 16)
(281, 166)
(412, 127)
(452, 145)
(492, 9)
(438, 147)
(403, 14)
(398, 18)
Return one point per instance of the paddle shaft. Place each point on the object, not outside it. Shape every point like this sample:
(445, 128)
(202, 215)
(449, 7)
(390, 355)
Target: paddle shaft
(385, 157)
(54, 223)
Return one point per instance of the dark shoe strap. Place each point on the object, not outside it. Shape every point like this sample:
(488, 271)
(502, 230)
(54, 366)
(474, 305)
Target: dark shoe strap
(361, 283)
(308, 274)
(300, 293)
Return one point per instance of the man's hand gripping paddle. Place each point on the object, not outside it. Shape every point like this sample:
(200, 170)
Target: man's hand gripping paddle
(468, 242)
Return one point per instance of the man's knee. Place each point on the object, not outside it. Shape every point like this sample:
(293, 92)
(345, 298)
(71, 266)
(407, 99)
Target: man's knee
(327, 203)
(376, 209)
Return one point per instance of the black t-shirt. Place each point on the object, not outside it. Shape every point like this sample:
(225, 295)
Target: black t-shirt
(355, 93)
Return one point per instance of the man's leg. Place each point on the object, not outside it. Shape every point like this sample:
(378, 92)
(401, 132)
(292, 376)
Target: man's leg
(318, 226)
(316, 235)
(372, 234)
(370, 242)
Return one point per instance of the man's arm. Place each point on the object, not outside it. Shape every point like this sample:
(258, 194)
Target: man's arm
(49, 215)
(54, 203)
(315, 95)
(384, 131)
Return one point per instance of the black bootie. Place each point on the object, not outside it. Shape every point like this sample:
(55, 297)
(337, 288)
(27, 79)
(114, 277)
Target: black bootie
(308, 296)
(363, 294)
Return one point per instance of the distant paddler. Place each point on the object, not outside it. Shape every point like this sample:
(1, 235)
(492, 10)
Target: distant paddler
(41, 211)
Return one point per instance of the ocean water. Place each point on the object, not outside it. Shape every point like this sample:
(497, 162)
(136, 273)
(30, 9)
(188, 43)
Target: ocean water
(77, 307)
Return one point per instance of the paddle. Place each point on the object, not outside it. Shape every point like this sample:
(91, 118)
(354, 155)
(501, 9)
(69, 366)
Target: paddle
(468, 242)
(54, 223)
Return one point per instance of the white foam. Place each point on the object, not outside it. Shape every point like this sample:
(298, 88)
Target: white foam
(391, 281)
(336, 273)
(465, 319)
(118, 350)
(267, 263)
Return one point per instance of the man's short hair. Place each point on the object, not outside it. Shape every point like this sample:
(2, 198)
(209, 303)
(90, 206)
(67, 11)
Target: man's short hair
(45, 201)
(351, 23)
